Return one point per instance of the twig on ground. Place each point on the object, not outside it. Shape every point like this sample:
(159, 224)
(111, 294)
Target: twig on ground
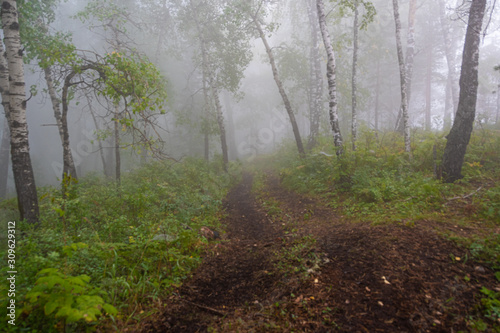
(466, 196)
(206, 308)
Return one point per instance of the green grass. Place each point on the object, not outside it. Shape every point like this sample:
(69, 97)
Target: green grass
(98, 245)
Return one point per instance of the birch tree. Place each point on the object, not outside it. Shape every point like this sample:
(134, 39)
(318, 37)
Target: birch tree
(330, 74)
(410, 54)
(459, 136)
(16, 113)
(402, 77)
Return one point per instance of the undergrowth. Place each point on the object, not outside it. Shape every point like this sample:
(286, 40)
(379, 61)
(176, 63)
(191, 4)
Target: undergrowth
(94, 256)
(381, 183)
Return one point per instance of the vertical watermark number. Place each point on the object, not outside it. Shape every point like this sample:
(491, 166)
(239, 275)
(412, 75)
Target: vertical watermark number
(11, 279)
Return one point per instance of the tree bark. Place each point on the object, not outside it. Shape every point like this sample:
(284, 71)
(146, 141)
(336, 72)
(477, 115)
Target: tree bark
(283, 94)
(410, 54)
(105, 167)
(428, 85)
(402, 73)
(330, 74)
(4, 159)
(69, 168)
(315, 77)
(20, 152)
(354, 125)
(56, 105)
(449, 53)
(222, 129)
(459, 136)
(117, 146)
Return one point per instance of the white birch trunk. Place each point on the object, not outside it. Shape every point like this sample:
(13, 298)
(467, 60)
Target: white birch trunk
(330, 74)
(20, 151)
(354, 125)
(402, 73)
(315, 76)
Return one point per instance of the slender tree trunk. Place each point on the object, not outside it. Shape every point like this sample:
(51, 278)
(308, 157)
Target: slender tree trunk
(410, 54)
(56, 105)
(448, 105)
(105, 167)
(402, 72)
(4, 159)
(222, 129)
(283, 94)
(330, 74)
(231, 135)
(449, 49)
(459, 136)
(498, 105)
(20, 151)
(69, 168)
(428, 86)
(377, 94)
(117, 147)
(354, 125)
(316, 79)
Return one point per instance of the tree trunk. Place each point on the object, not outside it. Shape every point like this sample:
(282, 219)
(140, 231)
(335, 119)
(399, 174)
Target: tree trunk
(354, 125)
(410, 53)
(402, 73)
(316, 79)
(117, 147)
(56, 105)
(428, 85)
(4, 159)
(283, 94)
(231, 135)
(498, 105)
(20, 151)
(105, 167)
(377, 94)
(459, 136)
(449, 49)
(69, 168)
(330, 74)
(222, 129)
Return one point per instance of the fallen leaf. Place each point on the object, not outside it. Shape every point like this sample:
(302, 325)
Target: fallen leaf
(315, 280)
(367, 289)
(385, 280)
(390, 321)
(380, 303)
(298, 299)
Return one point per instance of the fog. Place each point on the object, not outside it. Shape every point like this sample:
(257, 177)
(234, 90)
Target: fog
(254, 115)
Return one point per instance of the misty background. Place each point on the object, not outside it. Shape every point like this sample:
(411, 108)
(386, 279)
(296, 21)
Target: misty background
(255, 118)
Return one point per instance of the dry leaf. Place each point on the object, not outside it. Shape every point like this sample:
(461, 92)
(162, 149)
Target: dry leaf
(385, 280)
(380, 303)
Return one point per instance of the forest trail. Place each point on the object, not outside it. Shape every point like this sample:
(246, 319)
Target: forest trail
(288, 263)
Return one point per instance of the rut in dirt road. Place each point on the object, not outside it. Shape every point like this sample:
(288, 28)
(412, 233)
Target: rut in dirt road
(237, 274)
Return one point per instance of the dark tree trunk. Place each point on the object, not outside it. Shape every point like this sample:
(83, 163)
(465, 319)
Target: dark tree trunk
(222, 129)
(69, 168)
(20, 151)
(283, 94)
(459, 136)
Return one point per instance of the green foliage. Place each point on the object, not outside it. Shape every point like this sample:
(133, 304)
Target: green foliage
(377, 181)
(136, 79)
(70, 298)
(95, 246)
(491, 304)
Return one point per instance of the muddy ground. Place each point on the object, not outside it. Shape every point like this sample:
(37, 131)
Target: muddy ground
(287, 263)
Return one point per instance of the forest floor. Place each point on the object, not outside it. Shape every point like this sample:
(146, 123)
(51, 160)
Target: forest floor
(289, 263)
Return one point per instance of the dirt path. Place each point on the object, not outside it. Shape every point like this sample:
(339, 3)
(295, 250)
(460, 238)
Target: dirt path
(355, 278)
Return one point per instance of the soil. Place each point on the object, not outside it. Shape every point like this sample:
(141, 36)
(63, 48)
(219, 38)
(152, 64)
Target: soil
(299, 267)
